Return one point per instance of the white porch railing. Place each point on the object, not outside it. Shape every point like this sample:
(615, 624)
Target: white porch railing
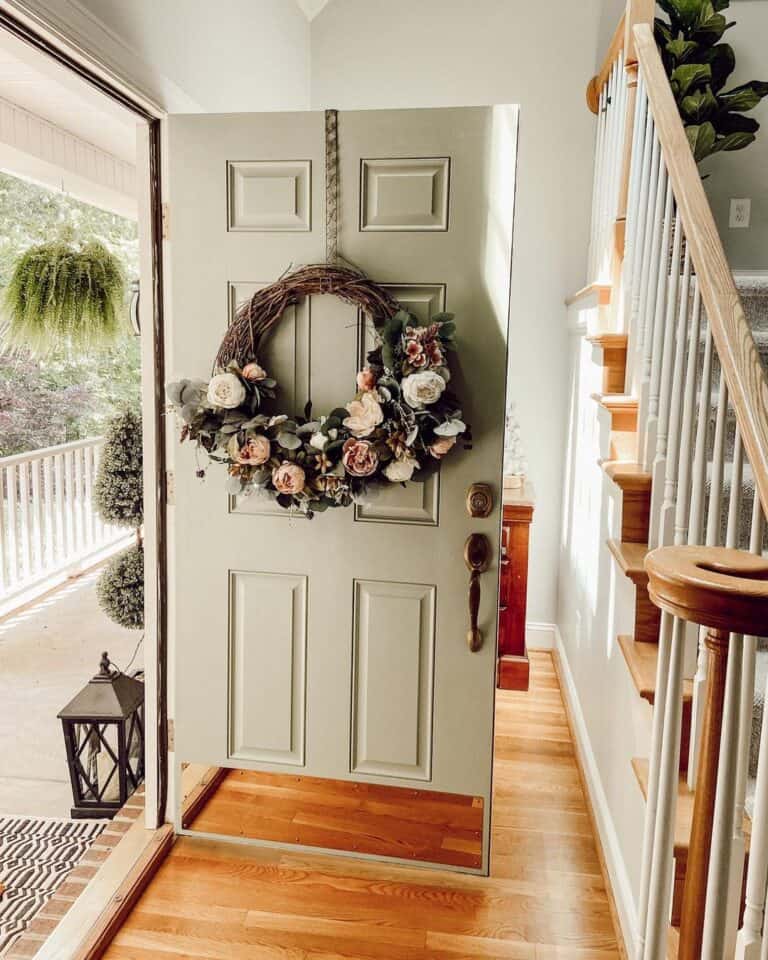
(49, 528)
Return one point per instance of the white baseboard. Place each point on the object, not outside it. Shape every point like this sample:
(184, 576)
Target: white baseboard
(540, 636)
(609, 840)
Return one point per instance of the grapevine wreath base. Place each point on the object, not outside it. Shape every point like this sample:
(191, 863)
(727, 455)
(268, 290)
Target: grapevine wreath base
(401, 423)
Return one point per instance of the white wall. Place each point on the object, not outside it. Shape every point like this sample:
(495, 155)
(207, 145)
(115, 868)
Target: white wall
(745, 172)
(368, 54)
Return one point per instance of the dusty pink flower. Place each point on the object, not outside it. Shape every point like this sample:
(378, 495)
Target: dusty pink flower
(434, 353)
(414, 351)
(365, 415)
(360, 458)
(253, 452)
(441, 446)
(366, 379)
(253, 371)
(288, 478)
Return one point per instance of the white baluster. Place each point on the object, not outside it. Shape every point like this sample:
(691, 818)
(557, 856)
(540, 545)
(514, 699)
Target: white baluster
(712, 539)
(648, 304)
(648, 450)
(684, 467)
(750, 937)
(61, 543)
(699, 479)
(14, 571)
(4, 558)
(662, 865)
(663, 389)
(596, 189)
(667, 519)
(654, 771)
(25, 543)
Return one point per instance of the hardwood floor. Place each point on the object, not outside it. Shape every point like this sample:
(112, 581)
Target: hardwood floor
(442, 828)
(545, 898)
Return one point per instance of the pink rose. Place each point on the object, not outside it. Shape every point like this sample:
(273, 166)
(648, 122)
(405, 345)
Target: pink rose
(441, 446)
(366, 379)
(288, 478)
(360, 458)
(253, 371)
(253, 452)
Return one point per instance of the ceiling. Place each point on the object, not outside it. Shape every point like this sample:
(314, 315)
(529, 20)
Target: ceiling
(38, 84)
(311, 8)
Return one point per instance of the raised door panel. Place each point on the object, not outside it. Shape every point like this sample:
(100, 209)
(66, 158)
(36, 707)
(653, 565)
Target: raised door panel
(392, 670)
(267, 670)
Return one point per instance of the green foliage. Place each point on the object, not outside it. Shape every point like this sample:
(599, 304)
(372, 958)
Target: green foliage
(118, 489)
(698, 66)
(120, 588)
(62, 396)
(65, 295)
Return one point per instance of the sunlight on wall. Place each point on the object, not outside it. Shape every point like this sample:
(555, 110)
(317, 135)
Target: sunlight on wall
(501, 201)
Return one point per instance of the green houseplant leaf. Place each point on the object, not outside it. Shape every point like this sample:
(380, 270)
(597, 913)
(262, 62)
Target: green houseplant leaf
(689, 75)
(701, 139)
(698, 66)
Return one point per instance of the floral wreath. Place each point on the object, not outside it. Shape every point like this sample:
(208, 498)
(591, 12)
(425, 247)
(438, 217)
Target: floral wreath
(401, 423)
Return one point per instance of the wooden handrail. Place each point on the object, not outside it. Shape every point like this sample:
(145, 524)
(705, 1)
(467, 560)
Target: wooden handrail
(597, 82)
(744, 374)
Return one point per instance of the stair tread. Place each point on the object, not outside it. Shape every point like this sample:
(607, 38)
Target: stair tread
(642, 659)
(608, 339)
(627, 474)
(631, 559)
(616, 401)
(684, 810)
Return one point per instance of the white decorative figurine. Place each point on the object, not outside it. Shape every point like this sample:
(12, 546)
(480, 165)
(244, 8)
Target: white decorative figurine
(515, 464)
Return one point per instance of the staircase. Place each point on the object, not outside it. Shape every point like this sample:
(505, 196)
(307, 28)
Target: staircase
(678, 354)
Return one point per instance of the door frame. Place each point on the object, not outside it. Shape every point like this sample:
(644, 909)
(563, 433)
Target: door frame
(38, 32)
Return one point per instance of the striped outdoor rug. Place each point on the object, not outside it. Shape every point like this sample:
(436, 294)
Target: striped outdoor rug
(36, 854)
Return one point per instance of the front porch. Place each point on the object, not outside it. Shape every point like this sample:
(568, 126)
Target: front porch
(48, 650)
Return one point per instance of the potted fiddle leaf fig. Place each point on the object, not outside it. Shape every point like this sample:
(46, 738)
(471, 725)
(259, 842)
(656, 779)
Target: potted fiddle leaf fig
(699, 64)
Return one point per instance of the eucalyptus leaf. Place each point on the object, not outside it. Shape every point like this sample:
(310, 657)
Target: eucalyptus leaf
(451, 428)
(288, 441)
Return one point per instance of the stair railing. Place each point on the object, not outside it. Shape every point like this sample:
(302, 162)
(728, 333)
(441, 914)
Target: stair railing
(703, 438)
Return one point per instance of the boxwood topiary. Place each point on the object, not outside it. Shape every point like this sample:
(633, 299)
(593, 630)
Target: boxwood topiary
(118, 491)
(120, 588)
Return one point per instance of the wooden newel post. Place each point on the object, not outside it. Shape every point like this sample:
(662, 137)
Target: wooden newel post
(725, 591)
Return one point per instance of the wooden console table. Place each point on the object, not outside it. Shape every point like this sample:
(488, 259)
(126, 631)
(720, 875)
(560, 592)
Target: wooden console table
(512, 669)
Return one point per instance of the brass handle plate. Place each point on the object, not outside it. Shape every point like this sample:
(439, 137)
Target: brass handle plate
(477, 557)
(479, 500)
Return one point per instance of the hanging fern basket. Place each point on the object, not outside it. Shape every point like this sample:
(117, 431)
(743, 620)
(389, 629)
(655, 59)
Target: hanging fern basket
(65, 296)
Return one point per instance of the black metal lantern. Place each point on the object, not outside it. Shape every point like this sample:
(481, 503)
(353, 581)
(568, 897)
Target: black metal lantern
(104, 735)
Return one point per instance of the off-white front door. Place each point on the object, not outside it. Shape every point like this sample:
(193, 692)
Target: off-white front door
(337, 646)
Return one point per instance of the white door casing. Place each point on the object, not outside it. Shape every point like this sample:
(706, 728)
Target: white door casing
(337, 646)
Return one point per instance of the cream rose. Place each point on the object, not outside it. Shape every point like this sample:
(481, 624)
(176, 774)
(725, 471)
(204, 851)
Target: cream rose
(288, 478)
(441, 446)
(359, 458)
(253, 452)
(399, 471)
(422, 389)
(254, 371)
(226, 391)
(365, 415)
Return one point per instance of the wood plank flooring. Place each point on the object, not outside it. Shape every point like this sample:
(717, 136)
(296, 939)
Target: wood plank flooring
(426, 826)
(545, 898)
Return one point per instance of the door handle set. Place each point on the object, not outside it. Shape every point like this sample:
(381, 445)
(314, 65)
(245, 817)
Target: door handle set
(477, 557)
